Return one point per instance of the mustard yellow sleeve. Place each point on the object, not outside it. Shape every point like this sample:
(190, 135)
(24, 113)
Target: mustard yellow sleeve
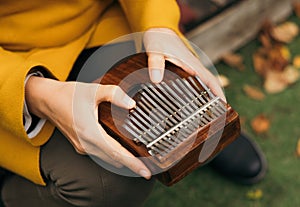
(14, 68)
(57, 61)
(145, 14)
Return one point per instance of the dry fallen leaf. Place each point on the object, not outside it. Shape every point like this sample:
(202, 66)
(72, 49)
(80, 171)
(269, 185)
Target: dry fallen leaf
(265, 40)
(277, 81)
(290, 75)
(298, 148)
(273, 82)
(234, 60)
(255, 194)
(253, 92)
(260, 124)
(296, 61)
(223, 80)
(273, 61)
(278, 58)
(285, 32)
(260, 63)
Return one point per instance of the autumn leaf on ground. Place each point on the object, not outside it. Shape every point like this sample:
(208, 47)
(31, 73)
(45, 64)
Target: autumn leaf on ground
(260, 124)
(253, 92)
(278, 58)
(277, 81)
(223, 80)
(260, 63)
(285, 32)
(234, 60)
(296, 62)
(255, 194)
(298, 148)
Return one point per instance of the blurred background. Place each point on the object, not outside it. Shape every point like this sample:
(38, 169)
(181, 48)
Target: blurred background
(255, 45)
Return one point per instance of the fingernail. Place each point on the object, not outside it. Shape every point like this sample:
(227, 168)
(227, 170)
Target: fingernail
(156, 75)
(129, 102)
(145, 173)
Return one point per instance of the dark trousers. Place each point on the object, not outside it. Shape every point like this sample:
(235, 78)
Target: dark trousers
(74, 179)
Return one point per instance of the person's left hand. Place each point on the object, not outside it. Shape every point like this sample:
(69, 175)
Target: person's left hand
(163, 44)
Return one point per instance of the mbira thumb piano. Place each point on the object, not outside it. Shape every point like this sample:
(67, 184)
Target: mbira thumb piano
(176, 126)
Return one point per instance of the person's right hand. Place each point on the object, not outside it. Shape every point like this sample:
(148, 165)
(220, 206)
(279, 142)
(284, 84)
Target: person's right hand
(73, 108)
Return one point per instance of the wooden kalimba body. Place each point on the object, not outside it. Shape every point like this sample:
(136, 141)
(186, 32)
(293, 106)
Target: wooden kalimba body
(177, 125)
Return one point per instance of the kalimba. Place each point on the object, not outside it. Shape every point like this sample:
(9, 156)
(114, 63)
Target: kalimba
(176, 126)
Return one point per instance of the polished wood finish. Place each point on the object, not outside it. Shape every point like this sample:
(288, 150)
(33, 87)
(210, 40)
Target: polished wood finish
(112, 118)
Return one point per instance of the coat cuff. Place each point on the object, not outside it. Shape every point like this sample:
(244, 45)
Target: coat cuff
(32, 124)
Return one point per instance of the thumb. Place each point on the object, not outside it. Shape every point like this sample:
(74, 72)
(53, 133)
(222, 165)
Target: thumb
(156, 65)
(115, 95)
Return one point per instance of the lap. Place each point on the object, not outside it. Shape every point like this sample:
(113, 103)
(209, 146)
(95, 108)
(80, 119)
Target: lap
(74, 180)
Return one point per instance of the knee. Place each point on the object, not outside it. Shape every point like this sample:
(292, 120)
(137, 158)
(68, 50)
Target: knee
(104, 189)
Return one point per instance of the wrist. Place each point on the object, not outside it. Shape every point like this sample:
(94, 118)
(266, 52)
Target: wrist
(37, 91)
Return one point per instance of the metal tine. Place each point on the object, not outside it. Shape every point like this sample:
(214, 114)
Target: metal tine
(148, 124)
(160, 121)
(185, 105)
(199, 96)
(183, 109)
(148, 131)
(156, 145)
(199, 99)
(161, 117)
(170, 117)
(139, 124)
(172, 92)
(172, 105)
(219, 108)
(222, 106)
(157, 126)
(142, 134)
(193, 98)
(167, 102)
(137, 136)
(170, 96)
(205, 87)
(185, 97)
(188, 91)
(214, 112)
(162, 102)
(202, 97)
(164, 112)
(149, 105)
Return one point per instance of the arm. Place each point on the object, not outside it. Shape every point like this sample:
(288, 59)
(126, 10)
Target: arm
(163, 40)
(73, 108)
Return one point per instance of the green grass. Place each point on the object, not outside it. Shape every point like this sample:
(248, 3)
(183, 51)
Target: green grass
(281, 186)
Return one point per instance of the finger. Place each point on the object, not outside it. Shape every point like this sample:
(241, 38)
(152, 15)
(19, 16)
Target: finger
(212, 83)
(180, 64)
(195, 67)
(121, 155)
(156, 65)
(98, 153)
(115, 95)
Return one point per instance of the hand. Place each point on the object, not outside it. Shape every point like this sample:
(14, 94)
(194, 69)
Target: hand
(162, 45)
(56, 101)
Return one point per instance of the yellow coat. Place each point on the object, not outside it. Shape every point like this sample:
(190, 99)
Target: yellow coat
(51, 34)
